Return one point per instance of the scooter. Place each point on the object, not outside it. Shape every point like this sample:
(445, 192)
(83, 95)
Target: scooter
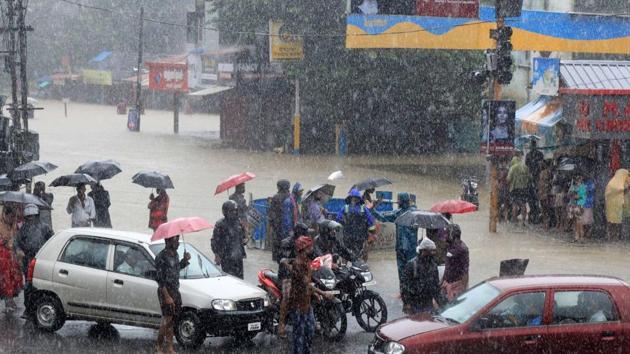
(469, 190)
(330, 314)
(367, 306)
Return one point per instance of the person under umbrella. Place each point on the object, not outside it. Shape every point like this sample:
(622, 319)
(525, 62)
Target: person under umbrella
(421, 281)
(455, 279)
(228, 241)
(406, 236)
(39, 190)
(10, 275)
(239, 197)
(358, 224)
(158, 209)
(296, 201)
(30, 239)
(82, 209)
(102, 204)
(168, 266)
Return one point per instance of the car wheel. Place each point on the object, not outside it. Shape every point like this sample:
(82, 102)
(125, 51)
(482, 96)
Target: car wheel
(48, 315)
(189, 330)
(370, 311)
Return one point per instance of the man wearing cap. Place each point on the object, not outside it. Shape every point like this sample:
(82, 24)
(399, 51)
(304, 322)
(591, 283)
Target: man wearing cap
(406, 236)
(358, 224)
(31, 238)
(421, 281)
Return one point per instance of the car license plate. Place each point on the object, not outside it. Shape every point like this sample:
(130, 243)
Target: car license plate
(255, 326)
(370, 283)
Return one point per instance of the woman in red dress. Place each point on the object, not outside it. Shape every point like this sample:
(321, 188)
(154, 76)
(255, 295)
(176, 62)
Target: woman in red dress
(11, 281)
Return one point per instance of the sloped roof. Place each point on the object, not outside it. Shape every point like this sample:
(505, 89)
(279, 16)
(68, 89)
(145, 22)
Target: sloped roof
(595, 76)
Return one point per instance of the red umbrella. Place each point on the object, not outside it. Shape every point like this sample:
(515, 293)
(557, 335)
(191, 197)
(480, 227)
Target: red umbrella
(454, 207)
(179, 227)
(233, 181)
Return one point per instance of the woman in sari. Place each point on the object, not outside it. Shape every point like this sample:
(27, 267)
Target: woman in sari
(10, 274)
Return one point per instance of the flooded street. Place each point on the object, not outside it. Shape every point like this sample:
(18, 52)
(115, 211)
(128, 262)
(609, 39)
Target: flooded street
(196, 163)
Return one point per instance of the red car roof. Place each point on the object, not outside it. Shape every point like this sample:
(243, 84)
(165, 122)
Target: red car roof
(533, 281)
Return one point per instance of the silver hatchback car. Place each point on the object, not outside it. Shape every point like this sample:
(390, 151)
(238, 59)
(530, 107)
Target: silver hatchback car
(107, 276)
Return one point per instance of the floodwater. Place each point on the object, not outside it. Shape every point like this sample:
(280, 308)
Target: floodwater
(196, 163)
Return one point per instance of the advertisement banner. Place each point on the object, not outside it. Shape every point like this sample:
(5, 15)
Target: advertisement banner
(546, 80)
(498, 125)
(449, 8)
(283, 45)
(168, 76)
(97, 77)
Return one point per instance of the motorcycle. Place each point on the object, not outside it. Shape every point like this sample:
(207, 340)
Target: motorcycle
(330, 314)
(469, 190)
(367, 306)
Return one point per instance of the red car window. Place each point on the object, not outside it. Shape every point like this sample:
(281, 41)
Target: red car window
(518, 310)
(587, 306)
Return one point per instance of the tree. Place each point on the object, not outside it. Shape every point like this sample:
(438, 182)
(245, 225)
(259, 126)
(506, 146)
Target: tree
(390, 100)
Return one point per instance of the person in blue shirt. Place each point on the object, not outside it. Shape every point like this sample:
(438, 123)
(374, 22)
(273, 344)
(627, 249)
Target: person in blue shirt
(358, 224)
(281, 217)
(406, 236)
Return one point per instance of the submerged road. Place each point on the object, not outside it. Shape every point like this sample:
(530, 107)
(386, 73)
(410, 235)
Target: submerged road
(196, 164)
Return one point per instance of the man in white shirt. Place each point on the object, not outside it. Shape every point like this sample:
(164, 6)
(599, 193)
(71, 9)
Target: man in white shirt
(82, 209)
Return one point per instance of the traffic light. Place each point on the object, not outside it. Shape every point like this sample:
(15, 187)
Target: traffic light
(503, 37)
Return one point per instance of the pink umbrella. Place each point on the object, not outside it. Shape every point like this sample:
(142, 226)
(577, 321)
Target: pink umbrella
(179, 227)
(454, 207)
(233, 181)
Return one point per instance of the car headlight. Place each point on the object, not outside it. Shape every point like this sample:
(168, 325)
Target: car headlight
(329, 283)
(224, 305)
(394, 348)
(367, 276)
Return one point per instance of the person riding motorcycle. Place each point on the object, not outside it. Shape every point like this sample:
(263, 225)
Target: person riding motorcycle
(327, 242)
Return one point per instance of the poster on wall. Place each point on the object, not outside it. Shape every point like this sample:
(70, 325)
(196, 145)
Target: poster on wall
(498, 125)
(546, 80)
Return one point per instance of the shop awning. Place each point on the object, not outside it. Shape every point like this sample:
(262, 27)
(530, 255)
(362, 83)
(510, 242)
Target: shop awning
(541, 117)
(214, 89)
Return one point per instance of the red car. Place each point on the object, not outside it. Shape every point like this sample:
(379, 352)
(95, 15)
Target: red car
(529, 314)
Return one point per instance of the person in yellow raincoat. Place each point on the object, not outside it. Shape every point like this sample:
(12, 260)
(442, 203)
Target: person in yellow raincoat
(615, 202)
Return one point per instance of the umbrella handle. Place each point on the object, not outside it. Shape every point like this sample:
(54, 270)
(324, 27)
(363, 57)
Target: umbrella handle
(184, 241)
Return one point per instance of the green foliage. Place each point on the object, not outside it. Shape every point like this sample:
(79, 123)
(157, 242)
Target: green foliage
(421, 85)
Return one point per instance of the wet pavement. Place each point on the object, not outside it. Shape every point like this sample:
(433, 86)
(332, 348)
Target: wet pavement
(196, 163)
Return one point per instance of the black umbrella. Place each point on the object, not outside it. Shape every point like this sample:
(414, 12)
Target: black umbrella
(23, 198)
(100, 169)
(422, 220)
(73, 180)
(152, 179)
(327, 189)
(372, 183)
(5, 181)
(30, 170)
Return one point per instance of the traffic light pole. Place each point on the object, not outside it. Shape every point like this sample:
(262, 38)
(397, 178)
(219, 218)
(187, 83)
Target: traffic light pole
(15, 113)
(495, 94)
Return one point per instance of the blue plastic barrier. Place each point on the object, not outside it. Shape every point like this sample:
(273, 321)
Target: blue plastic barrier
(262, 207)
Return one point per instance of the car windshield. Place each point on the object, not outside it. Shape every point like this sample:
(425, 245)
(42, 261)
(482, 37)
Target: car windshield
(469, 303)
(200, 266)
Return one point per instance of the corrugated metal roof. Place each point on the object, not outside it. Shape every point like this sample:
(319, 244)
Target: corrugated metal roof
(595, 74)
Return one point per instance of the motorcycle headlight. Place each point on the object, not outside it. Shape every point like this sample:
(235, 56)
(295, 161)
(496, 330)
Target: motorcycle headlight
(474, 184)
(329, 283)
(367, 276)
(394, 348)
(224, 305)
(266, 301)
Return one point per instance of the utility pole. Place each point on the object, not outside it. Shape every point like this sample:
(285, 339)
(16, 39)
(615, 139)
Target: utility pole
(22, 29)
(139, 73)
(11, 62)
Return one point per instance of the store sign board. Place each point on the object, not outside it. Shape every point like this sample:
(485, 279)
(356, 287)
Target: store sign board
(599, 117)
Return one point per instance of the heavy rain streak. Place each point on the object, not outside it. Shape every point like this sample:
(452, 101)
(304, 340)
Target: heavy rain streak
(347, 176)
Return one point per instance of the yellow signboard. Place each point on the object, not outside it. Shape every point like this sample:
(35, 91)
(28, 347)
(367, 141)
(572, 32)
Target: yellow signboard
(283, 45)
(97, 77)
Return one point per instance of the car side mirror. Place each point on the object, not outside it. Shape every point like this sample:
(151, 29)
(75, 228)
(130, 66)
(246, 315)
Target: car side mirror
(481, 324)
